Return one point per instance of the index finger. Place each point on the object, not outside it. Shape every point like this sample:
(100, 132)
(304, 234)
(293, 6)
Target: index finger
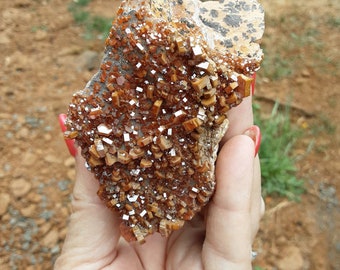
(240, 118)
(228, 229)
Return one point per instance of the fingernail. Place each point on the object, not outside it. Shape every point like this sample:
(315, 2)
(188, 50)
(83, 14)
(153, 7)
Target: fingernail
(254, 133)
(253, 84)
(69, 143)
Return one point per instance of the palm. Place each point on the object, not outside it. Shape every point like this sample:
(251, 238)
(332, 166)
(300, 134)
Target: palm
(182, 250)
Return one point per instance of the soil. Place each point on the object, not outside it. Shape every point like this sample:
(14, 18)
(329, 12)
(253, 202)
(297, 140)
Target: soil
(44, 59)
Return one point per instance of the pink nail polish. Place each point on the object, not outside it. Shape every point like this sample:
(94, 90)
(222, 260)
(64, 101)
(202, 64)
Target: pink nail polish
(254, 133)
(69, 143)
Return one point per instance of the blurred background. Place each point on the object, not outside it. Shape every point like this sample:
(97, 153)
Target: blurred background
(51, 48)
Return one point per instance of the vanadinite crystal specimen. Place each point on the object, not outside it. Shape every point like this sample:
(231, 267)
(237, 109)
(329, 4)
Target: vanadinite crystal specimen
(150, 120)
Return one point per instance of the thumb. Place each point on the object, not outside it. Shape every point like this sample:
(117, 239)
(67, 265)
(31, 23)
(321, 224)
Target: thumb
(86, 186)
(228, 229)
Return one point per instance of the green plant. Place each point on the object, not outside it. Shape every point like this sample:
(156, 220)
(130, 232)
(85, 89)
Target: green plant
(36, 28)
(277, 163)
(323, 125)
(94, 25)
(333, 21)
(275, 66)
(82, 3)
(100, 25)
(289, 39)
(258, 268)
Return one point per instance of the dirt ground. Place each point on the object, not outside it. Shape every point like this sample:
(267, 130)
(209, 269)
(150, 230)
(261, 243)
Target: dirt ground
(44, 59)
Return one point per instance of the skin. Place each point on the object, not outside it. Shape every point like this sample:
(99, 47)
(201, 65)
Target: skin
(220, 237)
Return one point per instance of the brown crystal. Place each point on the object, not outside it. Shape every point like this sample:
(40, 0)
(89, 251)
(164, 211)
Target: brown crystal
(115, 99)
(191, 124)
(144, 163)
(110, 159)
(144, 141)
(164, 143)
(199, 84)
(156, 107)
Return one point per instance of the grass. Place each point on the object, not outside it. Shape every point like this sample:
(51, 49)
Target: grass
(277, 163)
(82, 3)
(334, 22)
(36, 28)
(289, 39)
(275, 66)
(95, 26)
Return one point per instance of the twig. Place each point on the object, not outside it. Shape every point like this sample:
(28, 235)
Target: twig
(286, 104)
(277, 208)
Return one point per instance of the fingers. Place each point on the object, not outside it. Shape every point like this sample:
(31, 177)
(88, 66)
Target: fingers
(229, 231)
(93, 231)
(90, 240)
(240, 118)
(86, 186)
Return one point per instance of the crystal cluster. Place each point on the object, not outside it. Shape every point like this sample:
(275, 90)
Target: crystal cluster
(150, 120)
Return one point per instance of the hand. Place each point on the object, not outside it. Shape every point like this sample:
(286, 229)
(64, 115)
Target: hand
(218, 238)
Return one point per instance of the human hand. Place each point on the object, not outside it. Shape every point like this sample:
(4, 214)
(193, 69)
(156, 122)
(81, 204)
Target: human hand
(220, 237)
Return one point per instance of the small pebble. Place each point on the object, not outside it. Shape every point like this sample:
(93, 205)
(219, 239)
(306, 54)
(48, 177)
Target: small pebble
(28, 211)
(4, 202)
(45, 228)
(71, 174)
(63, 184)
(34, 197)
(52, 159)
(47, 137)
(20, 187)
(40, 35)
(69, 162)
(47, 214)
(88, 60)
(50, 239)
(29, 159)
(23, 133)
